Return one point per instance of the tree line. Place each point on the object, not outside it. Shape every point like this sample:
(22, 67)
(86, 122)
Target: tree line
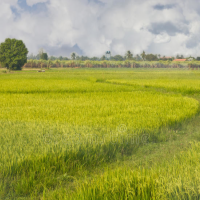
(128, 56)
(14, 55)
(47, 64)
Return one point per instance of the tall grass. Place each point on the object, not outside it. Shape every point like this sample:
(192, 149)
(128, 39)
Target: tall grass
(177, 85)
(178, 179)
(56, 124)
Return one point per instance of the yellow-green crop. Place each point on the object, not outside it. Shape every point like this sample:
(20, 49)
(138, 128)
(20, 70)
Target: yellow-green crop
(63, 121)
(178, 179)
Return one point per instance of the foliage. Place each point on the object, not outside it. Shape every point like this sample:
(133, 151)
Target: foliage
(82, 58)
(13, 54)
(73, 56)
(94, 58)
(103, 57)
(129, 55)
(117, 58)
(151, 57)
(113, 64)
(44, 56)
(143, 54)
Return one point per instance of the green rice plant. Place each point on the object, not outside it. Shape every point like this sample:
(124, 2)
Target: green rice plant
(60, 122)
(178, 179)
(182, 86)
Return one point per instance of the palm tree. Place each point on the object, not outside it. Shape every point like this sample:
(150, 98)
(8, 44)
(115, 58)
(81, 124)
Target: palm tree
(143, 55)
(129, 55)
(73, 56)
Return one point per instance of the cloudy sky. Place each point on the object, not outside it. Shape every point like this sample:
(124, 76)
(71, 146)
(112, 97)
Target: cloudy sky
(91, 27)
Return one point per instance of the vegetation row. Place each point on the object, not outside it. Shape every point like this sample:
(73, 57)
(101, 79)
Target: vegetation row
(110, 64)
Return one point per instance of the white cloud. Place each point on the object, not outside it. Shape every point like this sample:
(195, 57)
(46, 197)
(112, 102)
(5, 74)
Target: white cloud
(162, 38)
(100, 25)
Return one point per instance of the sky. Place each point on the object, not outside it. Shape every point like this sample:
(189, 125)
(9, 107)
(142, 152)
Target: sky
(92, 27)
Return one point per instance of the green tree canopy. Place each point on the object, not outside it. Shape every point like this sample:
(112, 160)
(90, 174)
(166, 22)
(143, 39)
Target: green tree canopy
(129, 55)
(44, 56)
(143, 54)
(73, 56)
(103, 57)
(13, 54)
(94, 58)
(117, 58)
(151, 57)
(60, 58)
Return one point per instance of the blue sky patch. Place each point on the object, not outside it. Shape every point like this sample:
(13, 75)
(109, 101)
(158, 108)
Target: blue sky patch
(163, 7)
(36, 8)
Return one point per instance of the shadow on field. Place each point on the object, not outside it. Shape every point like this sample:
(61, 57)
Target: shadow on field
(35, 173)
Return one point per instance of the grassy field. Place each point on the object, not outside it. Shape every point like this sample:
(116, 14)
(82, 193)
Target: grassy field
(100, 134)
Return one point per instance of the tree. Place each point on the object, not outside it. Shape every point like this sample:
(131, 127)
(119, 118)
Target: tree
(41, 51)
(129, 55)
(103, 57)
(82, 58)
(94, 58)
(138, 57)
(13, 54)
(60, 58)
(52, 58)
(44, 56)
(117, 58)
(73, 56)
(143, 54)
(65, 58)
(179, 57)
(151, 57)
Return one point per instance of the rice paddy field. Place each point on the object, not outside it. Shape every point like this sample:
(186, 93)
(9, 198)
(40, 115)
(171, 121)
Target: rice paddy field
(100, 134)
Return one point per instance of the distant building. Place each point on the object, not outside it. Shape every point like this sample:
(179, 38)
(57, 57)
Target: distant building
(180, 60)
(108, 55)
